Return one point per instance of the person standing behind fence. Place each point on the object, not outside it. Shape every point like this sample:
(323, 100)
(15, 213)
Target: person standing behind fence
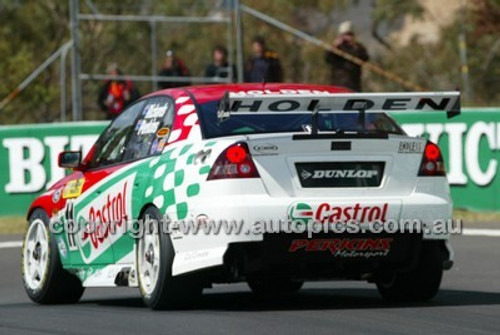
(115, 94)
(220, 68)
(344, 72)
(264, 65)
(173, 67)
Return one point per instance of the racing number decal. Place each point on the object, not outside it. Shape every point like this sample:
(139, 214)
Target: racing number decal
(71, 229)
(73, 188)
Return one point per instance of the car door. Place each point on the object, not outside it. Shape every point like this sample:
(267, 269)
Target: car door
(101, 203)
(149, 138)
(110, 194)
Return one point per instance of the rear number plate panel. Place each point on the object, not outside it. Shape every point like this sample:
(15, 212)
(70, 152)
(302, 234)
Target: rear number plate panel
(340, 174)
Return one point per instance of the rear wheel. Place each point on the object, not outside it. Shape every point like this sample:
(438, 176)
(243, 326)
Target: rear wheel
(274, 286)
(44, 279)
(155, 255)
(420, 284)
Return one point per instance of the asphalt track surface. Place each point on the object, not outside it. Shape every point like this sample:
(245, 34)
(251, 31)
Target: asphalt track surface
(468, 303)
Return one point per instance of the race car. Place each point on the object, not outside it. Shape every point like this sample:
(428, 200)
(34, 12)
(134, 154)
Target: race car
(269, 184)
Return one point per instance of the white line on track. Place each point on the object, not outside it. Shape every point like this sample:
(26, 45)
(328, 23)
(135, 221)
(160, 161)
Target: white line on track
(465, 232)
(11, 244)
(481, 232)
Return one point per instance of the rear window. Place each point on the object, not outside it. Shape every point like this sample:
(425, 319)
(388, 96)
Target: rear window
(279, 123)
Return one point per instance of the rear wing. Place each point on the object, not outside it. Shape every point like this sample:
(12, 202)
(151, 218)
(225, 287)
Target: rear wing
(245, 104)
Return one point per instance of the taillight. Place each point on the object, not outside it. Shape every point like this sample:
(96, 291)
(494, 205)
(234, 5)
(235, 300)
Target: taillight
(432, 162)
(234, 162)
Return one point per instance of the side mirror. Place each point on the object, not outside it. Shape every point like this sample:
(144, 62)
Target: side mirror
(70, 159)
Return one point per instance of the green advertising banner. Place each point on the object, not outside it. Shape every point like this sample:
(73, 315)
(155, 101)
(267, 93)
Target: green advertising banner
(470, 144)
(28, 159)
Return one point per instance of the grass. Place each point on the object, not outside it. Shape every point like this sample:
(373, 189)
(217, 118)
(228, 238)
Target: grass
(12, 225)
(17, 224)
(472, 217)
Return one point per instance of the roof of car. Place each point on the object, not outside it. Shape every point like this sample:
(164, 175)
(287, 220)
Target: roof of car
(206, 93)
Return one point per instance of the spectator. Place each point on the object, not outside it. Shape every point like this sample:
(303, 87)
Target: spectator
(264, 65)
(173, 67)
(115, 95)
(220, 67)
(344, 72)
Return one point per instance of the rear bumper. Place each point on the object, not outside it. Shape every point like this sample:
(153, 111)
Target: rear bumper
(201, 251)
(272, 258)
(325, 256)
(432, 211)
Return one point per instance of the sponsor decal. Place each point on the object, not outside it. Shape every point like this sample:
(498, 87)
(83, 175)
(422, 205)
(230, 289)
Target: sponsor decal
(351, 173)
(306, 174)
(265, 148)
(357, 212)
(340, 174)
(161, 144)
(282, 91)
(300, 213)
(56, 196)
(196, 255)
(155, 111)
(244, 104)
(147, 127)
(162, 132)
(303, 213)
(73, 188)
(104, 219)
(345, 247)
(410, 147)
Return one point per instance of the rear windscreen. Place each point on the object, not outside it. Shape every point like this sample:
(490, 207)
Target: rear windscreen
(279, 123)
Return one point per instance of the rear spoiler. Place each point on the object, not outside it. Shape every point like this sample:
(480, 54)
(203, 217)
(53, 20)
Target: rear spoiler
(251, 104)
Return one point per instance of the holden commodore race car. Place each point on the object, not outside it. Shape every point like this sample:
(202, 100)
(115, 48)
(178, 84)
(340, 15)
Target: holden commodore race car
(182, 190)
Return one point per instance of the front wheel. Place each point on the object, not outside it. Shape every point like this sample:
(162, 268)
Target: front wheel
(418, 285)
(44, 279)
(155, 255)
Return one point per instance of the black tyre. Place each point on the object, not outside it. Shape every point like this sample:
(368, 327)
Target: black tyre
(155, 255)
(44, 279)
(418, 285)
(274, 286)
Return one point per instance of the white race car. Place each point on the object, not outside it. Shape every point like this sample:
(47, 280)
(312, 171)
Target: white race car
(272, 184)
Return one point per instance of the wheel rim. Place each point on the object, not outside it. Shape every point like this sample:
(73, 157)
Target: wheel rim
(149, 256)
(36, 254)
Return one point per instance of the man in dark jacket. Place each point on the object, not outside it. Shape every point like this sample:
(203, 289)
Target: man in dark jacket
(220, 68)
(115, 95)
(344, 72)
(173, 67)
(264, 65)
